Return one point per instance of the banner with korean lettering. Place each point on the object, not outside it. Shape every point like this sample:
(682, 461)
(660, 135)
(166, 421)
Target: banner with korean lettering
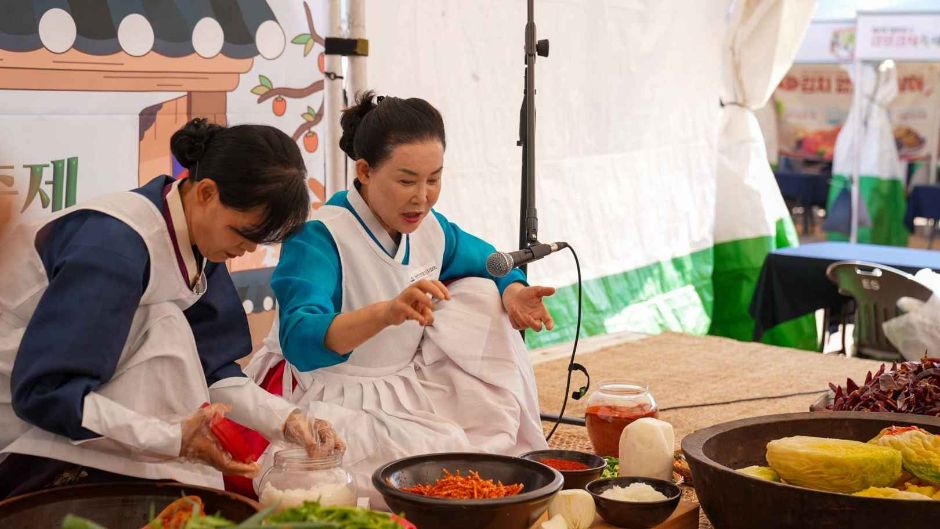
(915, 112)
(812, 104)
(89, 98)
(898, 36)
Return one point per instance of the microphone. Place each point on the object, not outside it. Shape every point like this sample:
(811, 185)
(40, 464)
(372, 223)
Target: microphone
(500, 263)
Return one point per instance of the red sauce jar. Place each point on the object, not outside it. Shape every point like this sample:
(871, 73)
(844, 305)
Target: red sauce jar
(611, 408)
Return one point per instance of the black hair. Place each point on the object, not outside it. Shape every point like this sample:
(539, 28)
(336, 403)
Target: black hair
(253, 166)
(372, 129)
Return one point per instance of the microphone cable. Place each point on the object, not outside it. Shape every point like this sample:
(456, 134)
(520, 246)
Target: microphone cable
(572, 365)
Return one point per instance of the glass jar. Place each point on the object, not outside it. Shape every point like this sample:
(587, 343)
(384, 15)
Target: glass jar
(296, 477)
(611, 408)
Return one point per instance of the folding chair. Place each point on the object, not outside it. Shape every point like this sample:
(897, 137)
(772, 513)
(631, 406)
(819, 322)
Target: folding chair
(876, 290)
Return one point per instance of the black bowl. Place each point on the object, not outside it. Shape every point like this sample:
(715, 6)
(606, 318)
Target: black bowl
(115, 505)
(513, 512)
(574, 479)
(733, 500)
(634, 514)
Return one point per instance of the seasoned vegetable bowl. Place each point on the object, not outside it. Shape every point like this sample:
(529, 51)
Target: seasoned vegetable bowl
(739, 500)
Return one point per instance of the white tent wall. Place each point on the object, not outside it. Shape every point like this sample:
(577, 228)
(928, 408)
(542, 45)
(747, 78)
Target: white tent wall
(626, 139)
(767, 122)
(751, 217)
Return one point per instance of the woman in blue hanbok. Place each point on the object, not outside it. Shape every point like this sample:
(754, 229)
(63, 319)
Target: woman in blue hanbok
(399, 362)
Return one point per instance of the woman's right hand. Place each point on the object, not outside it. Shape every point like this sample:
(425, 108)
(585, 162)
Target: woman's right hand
(200, 444)
(316, 435)
(416, 303)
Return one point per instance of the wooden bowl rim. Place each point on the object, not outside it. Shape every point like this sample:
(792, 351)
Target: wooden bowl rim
(123, 489)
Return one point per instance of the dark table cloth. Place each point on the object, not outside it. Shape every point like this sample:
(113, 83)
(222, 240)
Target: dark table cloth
(793, 281)
(924, 202)
(806, 189)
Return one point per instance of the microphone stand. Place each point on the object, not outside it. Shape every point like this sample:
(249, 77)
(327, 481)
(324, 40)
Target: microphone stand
(528, 215)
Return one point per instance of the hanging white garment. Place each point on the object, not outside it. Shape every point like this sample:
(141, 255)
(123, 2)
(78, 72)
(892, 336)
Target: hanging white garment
(866, 144)
(876, 148)
(134, 411)
(464, 384)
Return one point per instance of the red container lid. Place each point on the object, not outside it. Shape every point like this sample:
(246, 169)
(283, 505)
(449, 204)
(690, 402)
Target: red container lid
(229, 434)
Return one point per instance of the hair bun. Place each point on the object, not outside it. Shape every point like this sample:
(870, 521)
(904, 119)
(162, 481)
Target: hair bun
(189, 143)
(352, 117)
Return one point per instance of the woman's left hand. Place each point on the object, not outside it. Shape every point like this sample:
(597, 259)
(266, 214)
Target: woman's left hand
(525, 307)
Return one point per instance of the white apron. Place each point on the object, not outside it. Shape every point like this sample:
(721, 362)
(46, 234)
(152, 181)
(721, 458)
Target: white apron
(465, 384)
(135, 408)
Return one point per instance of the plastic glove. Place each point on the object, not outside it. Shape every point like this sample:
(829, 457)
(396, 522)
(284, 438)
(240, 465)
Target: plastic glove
(316, 435)
(200, 444)
(928, 278)
(906, 304)
(915, 332)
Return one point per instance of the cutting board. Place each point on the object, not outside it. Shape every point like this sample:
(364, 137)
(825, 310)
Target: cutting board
(685, 517)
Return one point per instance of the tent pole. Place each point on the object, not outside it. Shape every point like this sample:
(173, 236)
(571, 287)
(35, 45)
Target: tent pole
(935, 137)
(334, 158)
(358, 75)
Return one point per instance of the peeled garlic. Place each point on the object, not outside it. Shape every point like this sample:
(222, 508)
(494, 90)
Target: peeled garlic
(557, 522)
(575, 506)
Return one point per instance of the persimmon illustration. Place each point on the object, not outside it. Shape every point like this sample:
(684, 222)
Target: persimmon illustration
(279, 106)
(311, 141)
(265, 89)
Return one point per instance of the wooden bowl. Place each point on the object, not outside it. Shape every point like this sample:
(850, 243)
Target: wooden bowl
(634, 514)
(733, 500)
(115, 505)
(574, 479)
(512, 512)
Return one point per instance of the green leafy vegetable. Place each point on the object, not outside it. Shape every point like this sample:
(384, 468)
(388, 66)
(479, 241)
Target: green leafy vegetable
(345, 517)
(77, 522)
(613, 467)
(310, 515)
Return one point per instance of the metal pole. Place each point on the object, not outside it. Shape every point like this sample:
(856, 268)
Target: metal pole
(335, 159)
(856, 149)
(935, 137)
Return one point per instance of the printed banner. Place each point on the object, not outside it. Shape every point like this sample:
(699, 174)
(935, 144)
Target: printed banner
(813, 102)
(89, 99)
(898, 36)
